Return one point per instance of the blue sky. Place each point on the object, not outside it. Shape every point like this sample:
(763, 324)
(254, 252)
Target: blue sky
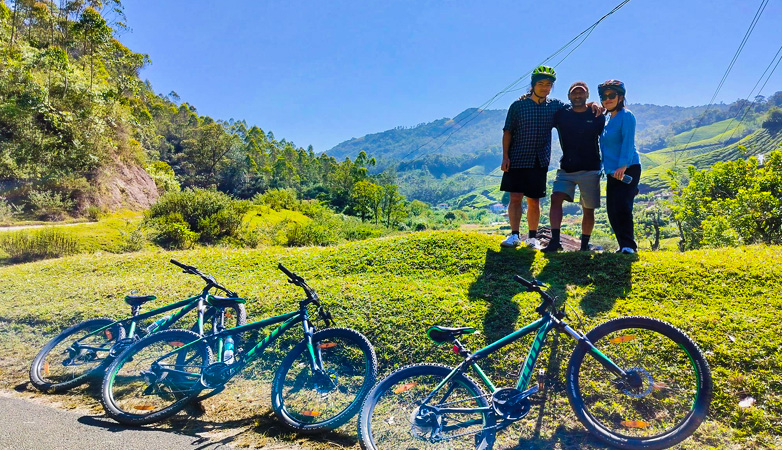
(321, 72)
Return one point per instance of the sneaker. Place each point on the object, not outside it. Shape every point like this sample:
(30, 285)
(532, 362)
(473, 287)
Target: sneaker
(626, 251)
(511, 241)
(532, 242)
(552, 247)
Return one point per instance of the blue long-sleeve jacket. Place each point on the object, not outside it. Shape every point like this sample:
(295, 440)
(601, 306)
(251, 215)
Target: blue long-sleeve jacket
(617, 142)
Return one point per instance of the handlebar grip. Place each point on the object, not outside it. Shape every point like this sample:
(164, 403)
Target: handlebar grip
(287, 272)
(525, 283)
(184, 267)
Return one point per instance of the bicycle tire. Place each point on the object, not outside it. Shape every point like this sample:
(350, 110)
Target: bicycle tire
(667, 402)
(76, 368)
(309, 403)
(390, 415)
(134, 394)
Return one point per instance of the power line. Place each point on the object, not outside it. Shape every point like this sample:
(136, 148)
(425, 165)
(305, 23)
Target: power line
(744, 40)
(747, 109)
(479, 110)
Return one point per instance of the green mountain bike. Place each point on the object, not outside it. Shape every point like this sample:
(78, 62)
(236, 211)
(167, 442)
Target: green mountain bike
(634, 382)
(84, 350)
(319, 385)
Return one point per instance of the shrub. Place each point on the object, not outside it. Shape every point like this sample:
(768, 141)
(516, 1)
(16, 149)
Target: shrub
(48, 205)
(173, 232)
(163, 176)
(132, 242)
(311, 233)
(7, 210)
(93, 213)
(24, 246)
(209, 215)
(278, 199)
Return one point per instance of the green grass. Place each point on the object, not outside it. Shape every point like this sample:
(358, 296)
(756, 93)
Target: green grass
(393, 289)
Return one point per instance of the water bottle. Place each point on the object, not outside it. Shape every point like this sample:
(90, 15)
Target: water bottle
(627, 179)
(228, 350)
(157, 324)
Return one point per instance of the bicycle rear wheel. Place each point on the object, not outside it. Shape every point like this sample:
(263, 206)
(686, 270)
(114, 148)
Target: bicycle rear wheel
(151, 381)
(311, 401)
(395, 417)
(661, 402)
(74, 355)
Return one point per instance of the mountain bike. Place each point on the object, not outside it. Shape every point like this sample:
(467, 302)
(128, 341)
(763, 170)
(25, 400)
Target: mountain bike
(84, 350)
(633, 382)
(319, 385)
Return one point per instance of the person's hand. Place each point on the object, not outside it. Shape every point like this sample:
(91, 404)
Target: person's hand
(505, 166)
(620, 173)
(597, 109)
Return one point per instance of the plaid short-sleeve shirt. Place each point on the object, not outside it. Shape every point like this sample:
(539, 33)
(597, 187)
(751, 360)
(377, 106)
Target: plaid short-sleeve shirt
(530, 125)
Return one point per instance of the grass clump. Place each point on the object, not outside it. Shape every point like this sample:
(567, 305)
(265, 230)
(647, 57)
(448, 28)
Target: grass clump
(23, 246)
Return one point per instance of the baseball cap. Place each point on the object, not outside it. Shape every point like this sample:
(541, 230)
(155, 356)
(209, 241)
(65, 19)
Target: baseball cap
(578, 84)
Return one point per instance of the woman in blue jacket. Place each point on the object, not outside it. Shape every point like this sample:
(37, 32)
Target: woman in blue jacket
(621, 163)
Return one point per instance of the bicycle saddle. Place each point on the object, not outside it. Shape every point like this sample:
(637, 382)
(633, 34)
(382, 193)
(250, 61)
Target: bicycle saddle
(441, 335)
(224, 302)
(138, 300)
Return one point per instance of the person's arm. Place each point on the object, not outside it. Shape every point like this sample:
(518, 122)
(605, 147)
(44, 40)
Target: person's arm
(506, 138)
(597, 109)
(628, 144)
(507, 135)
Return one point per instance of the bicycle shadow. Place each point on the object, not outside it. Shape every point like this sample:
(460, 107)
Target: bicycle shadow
(497, 287)
(599, 279)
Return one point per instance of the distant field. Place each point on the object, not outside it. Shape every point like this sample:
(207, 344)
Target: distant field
(392, 289)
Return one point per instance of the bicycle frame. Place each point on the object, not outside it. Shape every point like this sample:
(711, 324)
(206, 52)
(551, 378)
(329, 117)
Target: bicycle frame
(542, 327)
(130, 323)
(286, 321)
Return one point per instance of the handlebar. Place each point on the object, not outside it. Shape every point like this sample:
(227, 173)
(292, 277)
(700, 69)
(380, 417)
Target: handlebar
(312, 297)
(209, 279)
(535, 286)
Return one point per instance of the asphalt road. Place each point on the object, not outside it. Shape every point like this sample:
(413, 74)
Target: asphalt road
(28, 425)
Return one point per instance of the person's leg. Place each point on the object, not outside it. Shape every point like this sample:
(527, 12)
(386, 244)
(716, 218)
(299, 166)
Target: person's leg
(587, 225)
(514, 211)
(533, 215)
(555, 217)
(620, 208)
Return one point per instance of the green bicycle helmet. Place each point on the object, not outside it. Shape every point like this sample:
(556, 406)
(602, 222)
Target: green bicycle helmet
(542, 72)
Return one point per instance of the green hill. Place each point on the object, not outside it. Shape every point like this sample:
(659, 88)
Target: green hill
(392, 289)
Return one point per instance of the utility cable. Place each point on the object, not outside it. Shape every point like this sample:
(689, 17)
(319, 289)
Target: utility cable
(744, 40)
(469, 118)
(749, 107)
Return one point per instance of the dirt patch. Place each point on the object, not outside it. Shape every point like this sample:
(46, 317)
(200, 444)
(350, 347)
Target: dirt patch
(124, 185)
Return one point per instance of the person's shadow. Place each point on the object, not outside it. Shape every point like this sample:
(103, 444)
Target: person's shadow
(596, 280)
(497, 287)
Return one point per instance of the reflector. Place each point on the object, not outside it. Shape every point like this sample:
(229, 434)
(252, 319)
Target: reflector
(405, 387)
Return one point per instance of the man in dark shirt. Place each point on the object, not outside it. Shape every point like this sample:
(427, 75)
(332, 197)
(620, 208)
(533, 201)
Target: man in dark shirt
(579, 131)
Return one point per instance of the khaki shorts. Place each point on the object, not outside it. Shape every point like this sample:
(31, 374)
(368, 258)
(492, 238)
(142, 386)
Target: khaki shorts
(588, 182)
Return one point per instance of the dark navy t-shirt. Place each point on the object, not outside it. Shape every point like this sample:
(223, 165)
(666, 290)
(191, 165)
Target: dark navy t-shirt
(579, 135)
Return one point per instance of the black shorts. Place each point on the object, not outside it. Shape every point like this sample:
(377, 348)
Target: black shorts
(530, 182)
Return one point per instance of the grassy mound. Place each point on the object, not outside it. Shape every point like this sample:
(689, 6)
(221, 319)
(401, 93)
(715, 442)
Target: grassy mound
(393, 289)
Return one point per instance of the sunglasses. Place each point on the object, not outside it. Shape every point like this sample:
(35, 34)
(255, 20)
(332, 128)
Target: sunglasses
(610, 96)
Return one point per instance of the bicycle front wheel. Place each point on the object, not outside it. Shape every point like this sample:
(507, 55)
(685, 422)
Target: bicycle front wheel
(74, 355)
(396, 416)
(662, 400)
(153, 379)
(310, 400)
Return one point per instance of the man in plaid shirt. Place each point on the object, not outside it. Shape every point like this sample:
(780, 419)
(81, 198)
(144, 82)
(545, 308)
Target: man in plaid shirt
(526, 152)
